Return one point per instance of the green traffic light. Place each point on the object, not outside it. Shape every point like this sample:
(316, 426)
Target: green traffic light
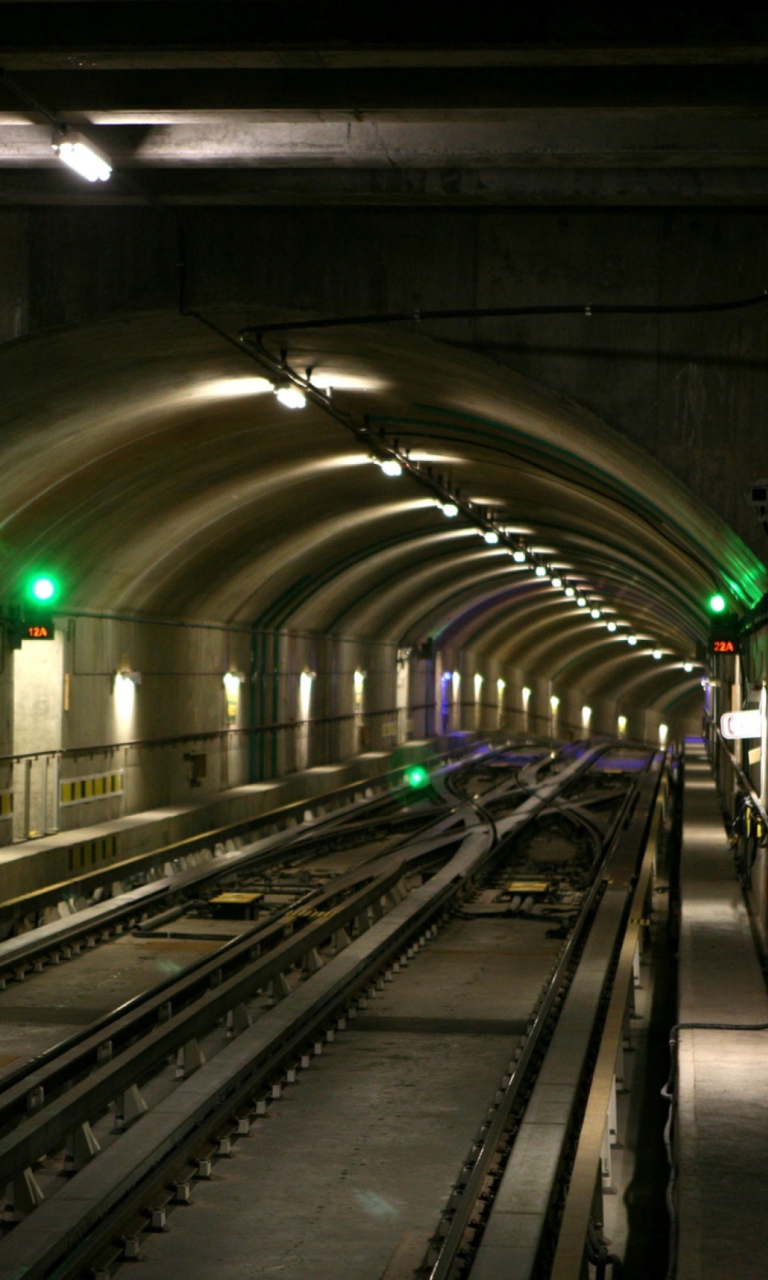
(42, 588)
(416, 776)
(717, 603)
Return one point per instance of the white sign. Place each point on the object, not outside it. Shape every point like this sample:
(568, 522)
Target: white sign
(740, 724)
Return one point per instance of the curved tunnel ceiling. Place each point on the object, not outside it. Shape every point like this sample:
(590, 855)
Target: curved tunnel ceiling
(150, 465)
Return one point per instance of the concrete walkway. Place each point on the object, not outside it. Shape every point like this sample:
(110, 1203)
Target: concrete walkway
(722, 1125)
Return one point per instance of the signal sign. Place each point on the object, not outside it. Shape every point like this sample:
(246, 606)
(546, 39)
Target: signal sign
(724, 645)
(39, 629)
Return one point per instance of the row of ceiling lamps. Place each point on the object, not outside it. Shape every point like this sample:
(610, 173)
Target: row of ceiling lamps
(394, 463)
(294, 392)
(522, 554)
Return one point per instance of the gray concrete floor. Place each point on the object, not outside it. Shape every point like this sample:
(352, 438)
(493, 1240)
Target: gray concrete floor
(344, 1179)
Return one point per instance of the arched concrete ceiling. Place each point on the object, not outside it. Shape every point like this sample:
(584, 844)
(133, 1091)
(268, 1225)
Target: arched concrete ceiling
(147, 463)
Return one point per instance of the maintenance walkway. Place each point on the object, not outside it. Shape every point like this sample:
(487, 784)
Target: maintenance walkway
(722, 1084)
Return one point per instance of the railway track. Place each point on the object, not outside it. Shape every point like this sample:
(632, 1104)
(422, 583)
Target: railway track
(102, 1135)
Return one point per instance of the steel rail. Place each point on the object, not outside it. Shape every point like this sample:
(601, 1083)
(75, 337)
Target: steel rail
(46, 939)
(46, 1130)
(443, 1267)
(241, 960)
(47, 1067)
(567, 1068)
(19, 906)
(68, 1228)
(572, 1239)
(57, 1068)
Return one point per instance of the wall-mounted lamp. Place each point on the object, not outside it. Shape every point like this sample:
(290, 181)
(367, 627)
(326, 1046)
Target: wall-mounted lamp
(232, 681)
(124, 674)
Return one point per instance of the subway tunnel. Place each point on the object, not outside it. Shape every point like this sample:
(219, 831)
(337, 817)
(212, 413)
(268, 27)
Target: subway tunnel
(152, 472)
(383, 615)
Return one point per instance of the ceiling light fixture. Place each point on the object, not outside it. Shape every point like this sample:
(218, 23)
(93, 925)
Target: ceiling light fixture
(491, 536)
(569, 591)
(632, 639)
(595, 613)
(540, 571)
(656, 654)
(519, 556)
(291, 397)
(581, 602)
(611, 626)
(80, 155)
(391, 467)
(450, 509)
(557, 582)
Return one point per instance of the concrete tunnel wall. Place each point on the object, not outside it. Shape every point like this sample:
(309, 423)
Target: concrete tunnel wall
(107, 722)
(115, 746)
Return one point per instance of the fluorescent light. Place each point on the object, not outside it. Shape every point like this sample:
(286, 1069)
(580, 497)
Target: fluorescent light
(77, 153)
(491, 536)
(291, 397)
(450, 510)
(391, 467)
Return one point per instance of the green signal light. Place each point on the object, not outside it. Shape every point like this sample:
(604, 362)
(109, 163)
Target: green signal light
(717, 603)
(42, 588)
(416, 776)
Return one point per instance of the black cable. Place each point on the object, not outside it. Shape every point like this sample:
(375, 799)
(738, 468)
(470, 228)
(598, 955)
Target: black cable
(29, 99)
(585, 309)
